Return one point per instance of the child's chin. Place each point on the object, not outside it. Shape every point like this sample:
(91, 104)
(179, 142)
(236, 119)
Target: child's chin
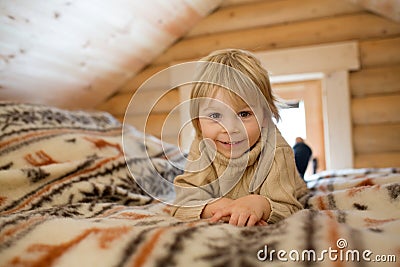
(234, 154)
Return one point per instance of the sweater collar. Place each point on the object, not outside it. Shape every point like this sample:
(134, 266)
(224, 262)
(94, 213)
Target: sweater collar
(263, 152)
(247, 159)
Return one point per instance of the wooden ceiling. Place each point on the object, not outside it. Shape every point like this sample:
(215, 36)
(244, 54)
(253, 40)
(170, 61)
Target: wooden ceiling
(76, 54)
(387, 8)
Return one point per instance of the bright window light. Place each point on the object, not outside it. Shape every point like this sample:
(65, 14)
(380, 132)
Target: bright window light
(293, 123)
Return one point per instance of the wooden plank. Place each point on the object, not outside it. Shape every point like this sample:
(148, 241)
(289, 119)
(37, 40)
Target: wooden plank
(358, 26)
(387, 8)
(268, 13)
(380, 52)
(372, 81)
(377, 160)
(116, 105)
(293, 90)
(314, 122)
(144, 101)
(377, 109)
(155, 124)
(338, 143)
(380, 138)
(139, 122)
(288, 63)
(135, 82)
(155, 101)
(226, 3)
(320, 58)
(69, 60)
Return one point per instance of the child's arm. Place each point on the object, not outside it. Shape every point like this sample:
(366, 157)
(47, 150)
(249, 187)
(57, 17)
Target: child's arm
(194, 189)
(245, 211)
(283, 187)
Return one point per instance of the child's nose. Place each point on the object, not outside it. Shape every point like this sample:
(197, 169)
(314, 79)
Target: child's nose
(232, 125)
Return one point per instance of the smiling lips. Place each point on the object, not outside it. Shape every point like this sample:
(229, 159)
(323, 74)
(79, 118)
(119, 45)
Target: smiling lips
(231, 143)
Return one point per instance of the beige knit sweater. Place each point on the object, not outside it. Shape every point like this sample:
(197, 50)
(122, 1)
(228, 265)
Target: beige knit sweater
(280, 185)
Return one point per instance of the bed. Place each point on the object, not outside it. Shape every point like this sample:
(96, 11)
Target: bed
(67, 198)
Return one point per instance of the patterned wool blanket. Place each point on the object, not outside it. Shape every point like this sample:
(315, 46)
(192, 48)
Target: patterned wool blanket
(67, 198)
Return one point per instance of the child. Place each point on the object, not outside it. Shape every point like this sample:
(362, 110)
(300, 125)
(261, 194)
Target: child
(240, 169)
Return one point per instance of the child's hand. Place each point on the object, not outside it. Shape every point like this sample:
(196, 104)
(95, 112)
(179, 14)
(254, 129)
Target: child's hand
(212, 207)
(245, 211)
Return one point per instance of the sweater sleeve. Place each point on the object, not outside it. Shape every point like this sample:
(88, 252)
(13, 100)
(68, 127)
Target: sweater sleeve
(192, 195)
(194, 190)
(283, 186)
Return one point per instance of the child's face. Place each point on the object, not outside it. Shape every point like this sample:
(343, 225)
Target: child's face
(232, 128)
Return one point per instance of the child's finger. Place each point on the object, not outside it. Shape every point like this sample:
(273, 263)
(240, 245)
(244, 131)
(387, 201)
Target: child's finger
(242, 219)
(219, 215)
(252, 220)
(216, 217)
(234, 219)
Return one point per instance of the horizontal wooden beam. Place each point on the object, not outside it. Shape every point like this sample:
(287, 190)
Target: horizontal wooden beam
(135, 82)
(116, 105)
(167, 124)
(142, 102)
(267, 13)
(377, 160)
(376, 109)
(387, 8)
(376, 138)
(381, 52)
(226, 3)
(318, 58)
(380, 80)
(283, 36)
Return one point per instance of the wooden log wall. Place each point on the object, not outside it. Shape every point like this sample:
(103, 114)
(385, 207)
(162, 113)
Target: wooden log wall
(276, 24)
(375, 102)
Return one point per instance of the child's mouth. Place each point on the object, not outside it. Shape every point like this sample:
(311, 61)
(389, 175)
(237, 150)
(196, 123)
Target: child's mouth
(231, 143)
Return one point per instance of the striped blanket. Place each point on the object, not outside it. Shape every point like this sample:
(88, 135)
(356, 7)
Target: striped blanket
(67, 198)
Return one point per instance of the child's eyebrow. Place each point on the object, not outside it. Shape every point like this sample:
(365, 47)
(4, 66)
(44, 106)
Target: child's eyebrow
(214, 104)
(209, 108)
(245, 106)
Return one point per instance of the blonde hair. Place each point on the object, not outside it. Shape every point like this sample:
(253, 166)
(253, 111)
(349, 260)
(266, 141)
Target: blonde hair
(237, 70)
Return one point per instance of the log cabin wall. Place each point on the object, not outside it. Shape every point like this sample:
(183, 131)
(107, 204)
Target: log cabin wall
(278, 24)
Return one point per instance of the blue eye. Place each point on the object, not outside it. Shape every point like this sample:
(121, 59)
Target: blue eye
(215, 116)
